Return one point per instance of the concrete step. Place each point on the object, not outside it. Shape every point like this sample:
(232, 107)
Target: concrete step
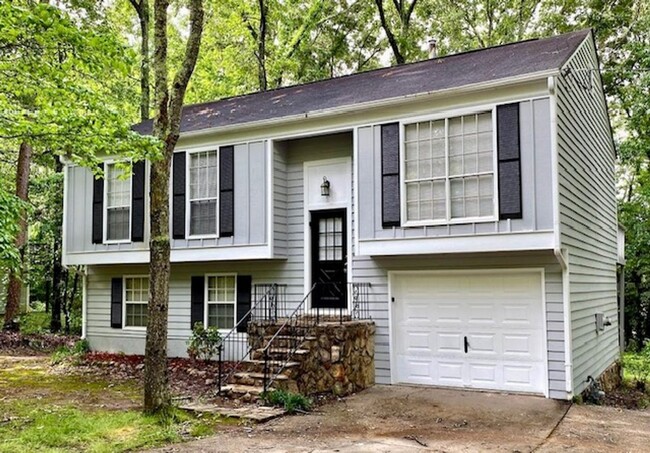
(279, 354)
(286, 341)
(239, 389)
(257, 366)
(253, 378)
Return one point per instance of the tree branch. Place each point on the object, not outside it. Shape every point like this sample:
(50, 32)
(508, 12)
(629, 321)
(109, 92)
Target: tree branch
(182, 78)
(389, 34)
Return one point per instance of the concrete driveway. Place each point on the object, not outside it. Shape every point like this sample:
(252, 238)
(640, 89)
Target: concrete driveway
(400, 418)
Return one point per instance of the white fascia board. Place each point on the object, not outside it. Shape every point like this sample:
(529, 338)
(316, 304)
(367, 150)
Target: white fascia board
(188, 255)
(405, 99)
(503, 242)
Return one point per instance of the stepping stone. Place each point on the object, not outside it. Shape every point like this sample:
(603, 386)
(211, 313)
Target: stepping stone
(258, 414)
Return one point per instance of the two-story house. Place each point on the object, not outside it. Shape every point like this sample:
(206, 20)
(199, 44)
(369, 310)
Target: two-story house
(475, 193)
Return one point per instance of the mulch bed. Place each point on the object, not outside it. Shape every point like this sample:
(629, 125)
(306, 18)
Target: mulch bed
(17, 344)
(187, 378)
(628, 397)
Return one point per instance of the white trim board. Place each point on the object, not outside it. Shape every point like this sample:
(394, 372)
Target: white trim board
(499, 242)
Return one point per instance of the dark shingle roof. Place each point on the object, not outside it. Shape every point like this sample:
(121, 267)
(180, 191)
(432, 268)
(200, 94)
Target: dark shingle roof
(437, 74)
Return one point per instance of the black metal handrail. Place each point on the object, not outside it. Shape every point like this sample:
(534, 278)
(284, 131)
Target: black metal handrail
(299, 322)
(236, 339)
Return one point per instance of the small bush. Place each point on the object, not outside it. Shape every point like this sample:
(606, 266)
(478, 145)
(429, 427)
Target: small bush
(34, 322)
(637, 365)
(292, 402)
(74, 353)
(204, 343)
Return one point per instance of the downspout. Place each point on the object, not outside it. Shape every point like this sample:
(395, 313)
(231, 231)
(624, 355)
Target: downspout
(561, 256)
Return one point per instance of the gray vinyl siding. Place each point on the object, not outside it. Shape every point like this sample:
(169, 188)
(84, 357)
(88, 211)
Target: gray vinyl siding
(588, 219)
(251, 183)
(536, 167)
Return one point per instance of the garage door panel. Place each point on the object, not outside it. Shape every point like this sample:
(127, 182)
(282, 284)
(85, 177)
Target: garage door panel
(449, 342)
(450, 372)
(501, 315)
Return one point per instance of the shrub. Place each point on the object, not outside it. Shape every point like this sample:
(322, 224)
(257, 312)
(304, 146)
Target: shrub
(74, 353)
(637, 364)
(292, 402)
(204, 343)
(35, 322)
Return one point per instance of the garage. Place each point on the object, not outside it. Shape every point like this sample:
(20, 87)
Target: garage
(470, 329)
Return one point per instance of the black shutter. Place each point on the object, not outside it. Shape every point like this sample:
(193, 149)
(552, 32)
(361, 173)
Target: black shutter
(244, 287)
(178, 196)
(226, 191)
(197, 300)
(137, 202)
(98, 208)
(509, 161)
(390, 202)
(116, 303)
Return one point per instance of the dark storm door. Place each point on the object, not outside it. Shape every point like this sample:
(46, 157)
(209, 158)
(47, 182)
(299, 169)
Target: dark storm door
(329, 258)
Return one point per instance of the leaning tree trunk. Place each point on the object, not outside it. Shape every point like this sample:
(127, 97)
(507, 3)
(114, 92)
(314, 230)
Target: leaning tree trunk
(142, 9)
(166, 127)
(14, 286)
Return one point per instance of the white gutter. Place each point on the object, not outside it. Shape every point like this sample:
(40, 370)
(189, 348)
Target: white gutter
(561, 256)
(498, 83)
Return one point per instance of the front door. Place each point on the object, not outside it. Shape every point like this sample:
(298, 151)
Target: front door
(329, 258)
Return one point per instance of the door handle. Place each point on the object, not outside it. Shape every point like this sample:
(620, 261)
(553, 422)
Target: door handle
(466, 345)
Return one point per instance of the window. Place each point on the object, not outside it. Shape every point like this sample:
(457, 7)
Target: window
(204, 188)
(118, 204)
(136, 296)
(221, 294)
(449, 169)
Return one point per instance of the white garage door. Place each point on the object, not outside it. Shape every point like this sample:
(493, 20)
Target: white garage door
(480, 330)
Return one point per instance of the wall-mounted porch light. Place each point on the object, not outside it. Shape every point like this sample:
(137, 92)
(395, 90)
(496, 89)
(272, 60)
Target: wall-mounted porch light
(325, 187)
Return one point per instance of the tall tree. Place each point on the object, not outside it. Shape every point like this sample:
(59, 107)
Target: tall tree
(142, 10)
(166, 127)
(397, 25)
(16, 275)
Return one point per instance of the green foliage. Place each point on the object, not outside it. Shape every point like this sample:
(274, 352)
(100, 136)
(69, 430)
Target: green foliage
(73, 354)
(637, 364)
(11, 208)
(204, 343)
(34, 322)
(291, 402)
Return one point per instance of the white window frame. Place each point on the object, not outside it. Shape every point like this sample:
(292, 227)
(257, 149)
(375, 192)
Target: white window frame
(105, 206)
(449, 114)
(207, 303)
(124, 279)
(188, 200)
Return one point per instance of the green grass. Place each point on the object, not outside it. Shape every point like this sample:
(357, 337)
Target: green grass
(45, 412)
(292, 402)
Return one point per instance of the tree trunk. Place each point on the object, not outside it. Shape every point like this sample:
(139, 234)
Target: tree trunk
(167, 129)
(392, 40)
(14, 286)
(57, 268)
(142, 9)
(261, 47)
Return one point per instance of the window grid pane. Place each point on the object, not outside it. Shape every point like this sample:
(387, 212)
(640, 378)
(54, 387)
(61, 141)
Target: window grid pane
(204, 190)
(222, 292)
(459, 150)
(136, 298)
(118, 204)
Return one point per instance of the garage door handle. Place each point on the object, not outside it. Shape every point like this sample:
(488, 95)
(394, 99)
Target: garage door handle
(466, 345)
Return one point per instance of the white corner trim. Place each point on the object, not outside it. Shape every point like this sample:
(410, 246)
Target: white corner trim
(479, 243)
(270, 194)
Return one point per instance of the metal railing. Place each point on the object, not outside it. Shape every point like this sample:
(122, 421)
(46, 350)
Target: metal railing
(279, 350)
(269, 300)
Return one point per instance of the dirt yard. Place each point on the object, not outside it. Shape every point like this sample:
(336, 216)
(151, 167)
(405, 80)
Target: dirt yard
(394, 419)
